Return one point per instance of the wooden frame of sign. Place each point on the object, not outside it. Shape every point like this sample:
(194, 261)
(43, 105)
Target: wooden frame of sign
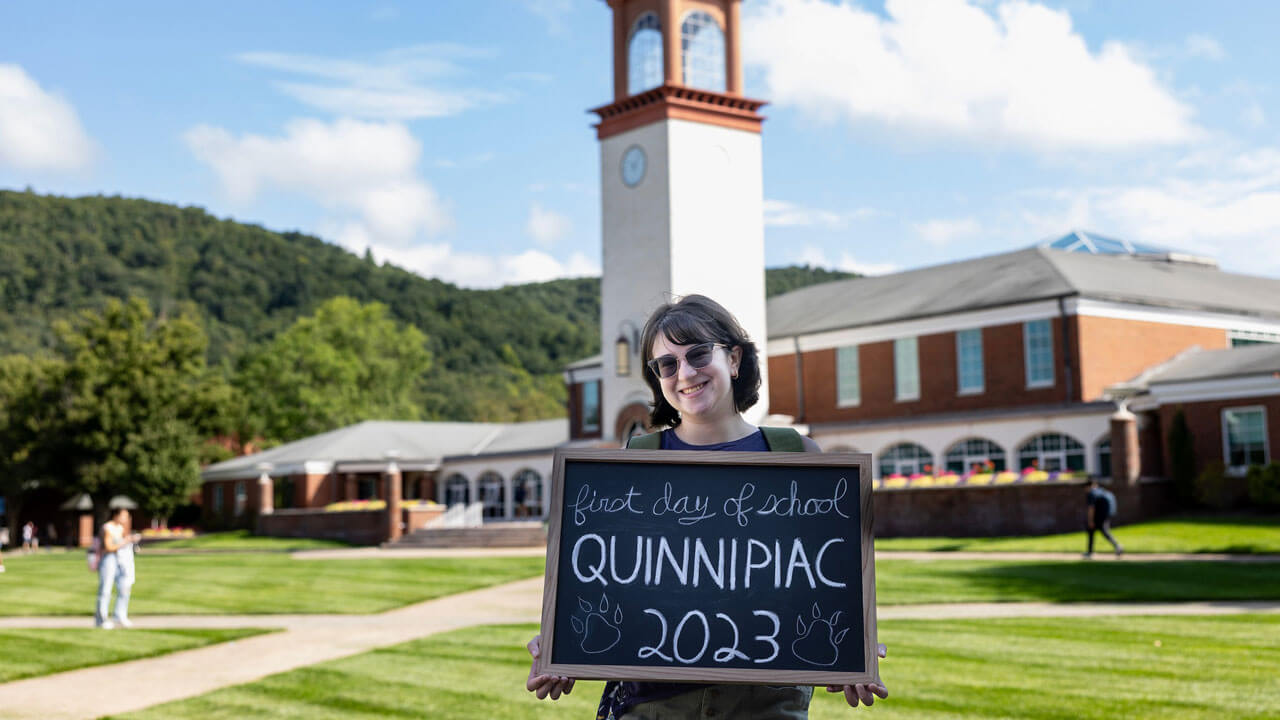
(636, 565)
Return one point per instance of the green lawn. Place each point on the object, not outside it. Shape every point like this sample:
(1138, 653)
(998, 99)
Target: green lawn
(58, 584)
(243, 540)
(900, 582)
(1203, 667)
(226, 583)
(29, 653)
(1211, 534)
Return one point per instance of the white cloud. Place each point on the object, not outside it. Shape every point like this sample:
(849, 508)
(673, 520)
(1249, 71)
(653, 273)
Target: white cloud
(349, 166)
(478, 270)
(1203, 46)
(38, 129)
(401, 84)
(552, 11)
(1018, 75)
(779, 213)
(816, 257)
(546, 226)
(1223, 205)
(941, 232)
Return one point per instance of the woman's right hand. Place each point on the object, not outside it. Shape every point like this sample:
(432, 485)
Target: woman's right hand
(545, 685)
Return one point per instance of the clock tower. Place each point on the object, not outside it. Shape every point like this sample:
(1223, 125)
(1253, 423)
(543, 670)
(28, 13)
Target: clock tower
(681, 187)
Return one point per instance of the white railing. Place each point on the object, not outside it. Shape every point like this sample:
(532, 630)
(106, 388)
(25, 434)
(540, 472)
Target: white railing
(460, 515)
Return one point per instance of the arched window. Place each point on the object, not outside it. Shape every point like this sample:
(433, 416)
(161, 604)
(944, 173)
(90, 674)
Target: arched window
(906, 459)
(1050, 452)
(492, 494)
(975, 455)
(702, 46)
(644, 55)
(1104, 458)
(457, 491)
(526, 489)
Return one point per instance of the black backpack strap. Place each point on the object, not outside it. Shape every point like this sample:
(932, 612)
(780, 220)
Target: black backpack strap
(652, 441)
(782, 439)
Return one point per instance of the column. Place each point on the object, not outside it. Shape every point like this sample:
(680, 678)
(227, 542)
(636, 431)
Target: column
(508, 499)
(266, 489)
(1126, 461)
(668, 16)
(732, 48)
(392, 484)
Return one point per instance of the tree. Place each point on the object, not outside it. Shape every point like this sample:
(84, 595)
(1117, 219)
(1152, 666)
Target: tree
(347, 363)
(135, 403)
(26, 418)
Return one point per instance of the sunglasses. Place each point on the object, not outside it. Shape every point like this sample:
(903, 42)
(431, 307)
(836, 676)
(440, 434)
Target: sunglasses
(698, 356)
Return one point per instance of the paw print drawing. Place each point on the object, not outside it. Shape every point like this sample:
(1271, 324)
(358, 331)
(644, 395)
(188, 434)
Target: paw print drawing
(818, 641)
(600, 631)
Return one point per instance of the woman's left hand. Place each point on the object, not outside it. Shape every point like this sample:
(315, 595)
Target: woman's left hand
(865, 693)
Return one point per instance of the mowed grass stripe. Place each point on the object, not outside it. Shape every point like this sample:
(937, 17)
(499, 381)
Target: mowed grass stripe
(1204, 667)
(275, 583)
(31, 652)
(59, 584)
(1248, 534)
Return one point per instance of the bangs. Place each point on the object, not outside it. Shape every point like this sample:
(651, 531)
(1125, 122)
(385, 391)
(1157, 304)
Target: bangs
(685, 328)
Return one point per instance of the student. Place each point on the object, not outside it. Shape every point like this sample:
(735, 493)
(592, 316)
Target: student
(703, 372)
(1101, 507)
(115, 567)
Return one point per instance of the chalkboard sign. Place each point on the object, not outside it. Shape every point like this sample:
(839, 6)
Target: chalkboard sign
(723, 567)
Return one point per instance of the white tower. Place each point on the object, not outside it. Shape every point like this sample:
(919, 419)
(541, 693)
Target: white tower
(681, 185)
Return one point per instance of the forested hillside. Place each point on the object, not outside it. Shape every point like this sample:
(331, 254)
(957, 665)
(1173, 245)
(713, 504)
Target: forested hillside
(495, 354)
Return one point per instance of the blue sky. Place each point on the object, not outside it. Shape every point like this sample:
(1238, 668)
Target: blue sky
(452, 136)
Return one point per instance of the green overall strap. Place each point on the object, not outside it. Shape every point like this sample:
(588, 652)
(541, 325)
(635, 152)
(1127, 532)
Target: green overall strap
(782, 439)
(652, 441)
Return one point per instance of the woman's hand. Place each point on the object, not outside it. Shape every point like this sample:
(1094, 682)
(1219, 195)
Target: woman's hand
(864, 693)
(545, 685)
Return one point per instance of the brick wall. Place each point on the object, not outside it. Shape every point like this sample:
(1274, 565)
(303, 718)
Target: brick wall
(360, 527)
(1116, 350)
(1003, 366)
(1007, 510)
(1205, 422)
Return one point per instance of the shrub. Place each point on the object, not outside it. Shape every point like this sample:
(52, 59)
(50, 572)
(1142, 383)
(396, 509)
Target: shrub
(1182, 458)
(1213, 487)
(1264, 486)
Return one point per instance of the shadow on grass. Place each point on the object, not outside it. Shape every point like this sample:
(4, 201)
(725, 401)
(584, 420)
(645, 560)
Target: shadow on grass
(1063, 582)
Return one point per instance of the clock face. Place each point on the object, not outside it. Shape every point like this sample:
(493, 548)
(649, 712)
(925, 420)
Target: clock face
(633, 166)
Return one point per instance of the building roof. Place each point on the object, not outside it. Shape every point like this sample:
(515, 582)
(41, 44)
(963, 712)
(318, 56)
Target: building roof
(1022, 276)
(1261, 359)
(415, 445)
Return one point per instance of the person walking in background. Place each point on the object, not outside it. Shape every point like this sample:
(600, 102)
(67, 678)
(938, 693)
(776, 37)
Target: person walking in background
(30, 543)
(115, 567)
(1101, 508)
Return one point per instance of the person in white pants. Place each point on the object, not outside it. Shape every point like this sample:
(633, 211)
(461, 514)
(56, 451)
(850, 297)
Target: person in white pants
(115, 567)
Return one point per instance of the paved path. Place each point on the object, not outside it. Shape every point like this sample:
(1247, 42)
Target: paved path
(309, 639)
(926, 555)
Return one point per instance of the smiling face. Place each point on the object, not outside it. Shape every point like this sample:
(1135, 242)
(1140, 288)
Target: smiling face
(702, 394)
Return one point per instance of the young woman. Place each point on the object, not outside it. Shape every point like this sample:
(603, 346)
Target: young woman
(703, 372)
(115, 567)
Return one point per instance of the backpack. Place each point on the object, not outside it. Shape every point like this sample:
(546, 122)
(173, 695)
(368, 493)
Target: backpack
(94, 557)
(778, 439)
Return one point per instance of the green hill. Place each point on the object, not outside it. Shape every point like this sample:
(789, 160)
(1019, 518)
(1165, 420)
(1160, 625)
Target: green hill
(62, 255)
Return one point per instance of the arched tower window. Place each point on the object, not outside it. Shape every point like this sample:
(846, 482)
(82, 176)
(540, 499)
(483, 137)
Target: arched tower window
(906, 459)
(644, 55)
(1051, 451)
(702, 47)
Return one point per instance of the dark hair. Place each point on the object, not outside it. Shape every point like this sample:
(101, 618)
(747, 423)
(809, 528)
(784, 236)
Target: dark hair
(694, 319)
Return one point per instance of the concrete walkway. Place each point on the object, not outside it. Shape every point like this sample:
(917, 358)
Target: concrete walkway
(309, 639)
(927, 555)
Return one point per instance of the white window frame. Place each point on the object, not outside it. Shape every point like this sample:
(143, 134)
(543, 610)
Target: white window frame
(644, 66)
(981, 387)
(845, 382)
(1026, 353)
(697, 71)
(1237, 470)
(901, 392)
